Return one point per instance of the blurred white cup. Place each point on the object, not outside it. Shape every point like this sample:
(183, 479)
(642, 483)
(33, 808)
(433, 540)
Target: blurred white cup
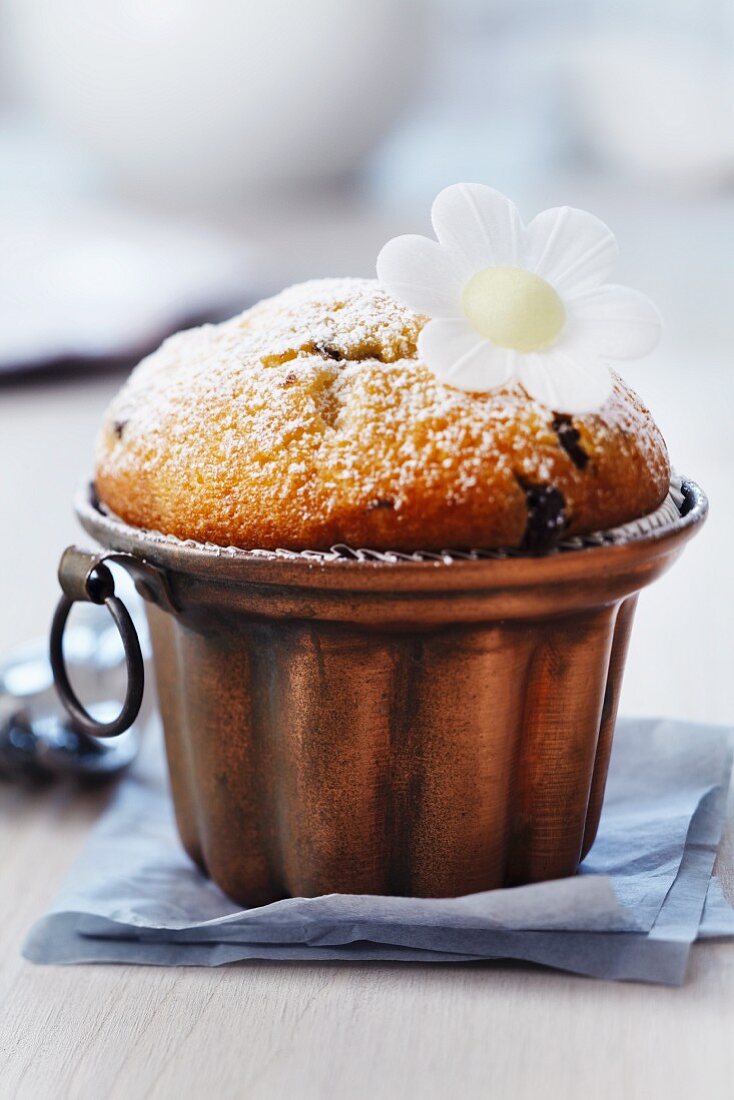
(206, 99)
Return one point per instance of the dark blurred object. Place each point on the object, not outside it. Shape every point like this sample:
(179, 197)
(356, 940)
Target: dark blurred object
(46, 748)
(99, 285)
(73, 365)
(38, 742)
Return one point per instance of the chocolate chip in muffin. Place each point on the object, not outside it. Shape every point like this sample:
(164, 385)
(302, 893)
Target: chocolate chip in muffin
(380, 502)
(290, 378)
(689, 498)
(358, 354)
(118, 427)
(327, 351)
(570, 439)
(546, 517)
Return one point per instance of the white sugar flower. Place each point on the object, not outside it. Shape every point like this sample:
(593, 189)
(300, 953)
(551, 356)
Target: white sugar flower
(511, 302)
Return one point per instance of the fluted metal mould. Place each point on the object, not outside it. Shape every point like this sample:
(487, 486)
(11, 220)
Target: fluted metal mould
(428, 728)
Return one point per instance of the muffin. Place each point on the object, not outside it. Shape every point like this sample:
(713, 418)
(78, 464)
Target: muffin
(311, 420)
(424, 724)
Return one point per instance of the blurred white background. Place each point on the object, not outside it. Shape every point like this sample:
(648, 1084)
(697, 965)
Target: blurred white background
(163, 161)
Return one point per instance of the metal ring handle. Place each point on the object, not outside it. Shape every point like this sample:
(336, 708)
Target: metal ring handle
(102, 592)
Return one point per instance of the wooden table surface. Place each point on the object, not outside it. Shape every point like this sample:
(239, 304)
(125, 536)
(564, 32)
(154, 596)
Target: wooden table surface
(356, 1030)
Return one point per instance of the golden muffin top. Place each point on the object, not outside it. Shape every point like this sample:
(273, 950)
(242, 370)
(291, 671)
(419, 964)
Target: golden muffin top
(309, 420)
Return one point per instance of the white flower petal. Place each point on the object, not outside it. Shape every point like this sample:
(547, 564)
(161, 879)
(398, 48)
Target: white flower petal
(459, 356)
(563, 382)
(423, 275)
(612, 321)
(480, 223)
(573, 250)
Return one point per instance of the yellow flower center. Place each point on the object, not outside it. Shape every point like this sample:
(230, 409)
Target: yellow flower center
(513, 308)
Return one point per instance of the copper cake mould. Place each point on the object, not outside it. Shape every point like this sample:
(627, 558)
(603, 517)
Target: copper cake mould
(427, 725)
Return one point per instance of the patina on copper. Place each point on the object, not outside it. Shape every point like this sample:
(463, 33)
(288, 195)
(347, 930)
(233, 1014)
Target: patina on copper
(414, 728)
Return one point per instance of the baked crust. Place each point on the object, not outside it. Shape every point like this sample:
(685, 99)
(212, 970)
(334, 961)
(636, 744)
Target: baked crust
(309, 421)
